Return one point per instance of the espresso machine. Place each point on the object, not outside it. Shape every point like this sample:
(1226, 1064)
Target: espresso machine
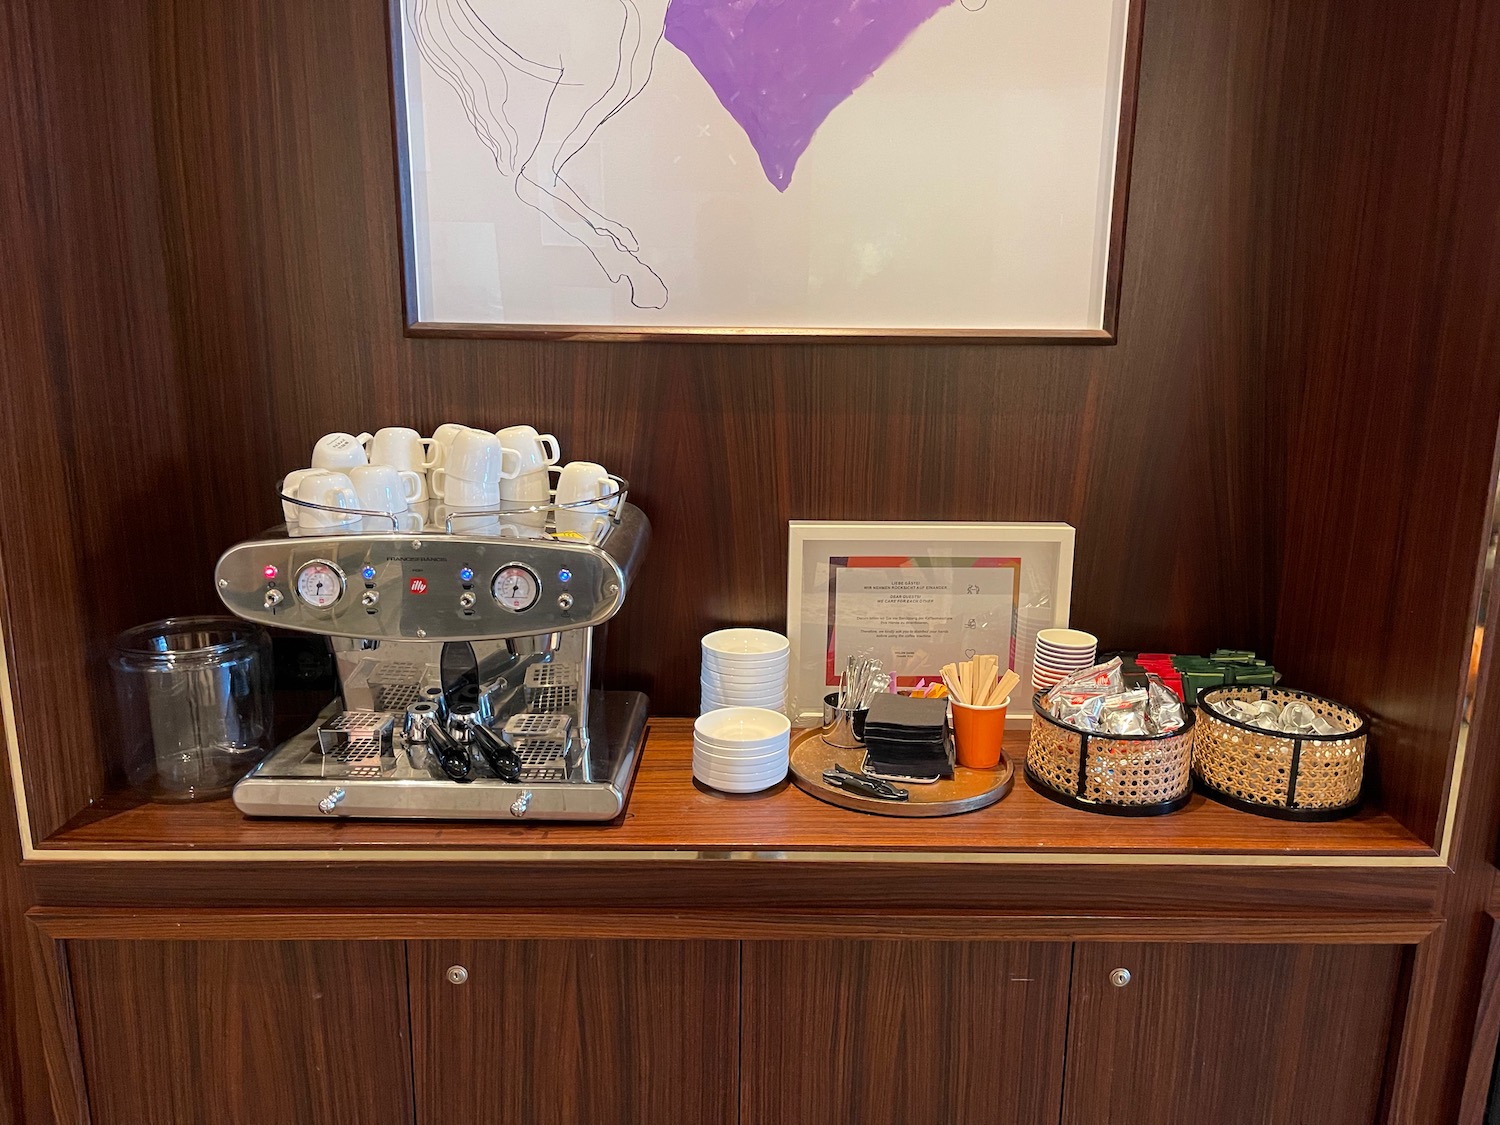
(467, 670)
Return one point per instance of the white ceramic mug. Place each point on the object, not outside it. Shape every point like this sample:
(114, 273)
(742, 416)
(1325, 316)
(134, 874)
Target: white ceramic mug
(585, 497)
(536, 451)
(403, 449)
(474, 456)
(459, 493)
(441, 442)
(384, 488)
(526, 491)
(328, 490)
(340, 452)
(289, 488)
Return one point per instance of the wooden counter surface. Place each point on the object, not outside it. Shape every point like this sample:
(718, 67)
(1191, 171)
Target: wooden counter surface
(669, 812)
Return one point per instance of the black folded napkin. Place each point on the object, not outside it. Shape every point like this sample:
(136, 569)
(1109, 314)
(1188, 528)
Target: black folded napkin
(908, 738)
(902, 715)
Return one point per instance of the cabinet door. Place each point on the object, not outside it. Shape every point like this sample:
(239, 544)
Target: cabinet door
(264, 1033)
(903, 1033)
(575, 1032)
(1228, 1034)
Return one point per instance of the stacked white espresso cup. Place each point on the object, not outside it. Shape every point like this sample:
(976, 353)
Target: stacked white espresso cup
(469, 480)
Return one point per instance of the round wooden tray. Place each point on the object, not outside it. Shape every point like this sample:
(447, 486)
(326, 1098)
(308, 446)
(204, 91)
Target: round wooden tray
(966, 791)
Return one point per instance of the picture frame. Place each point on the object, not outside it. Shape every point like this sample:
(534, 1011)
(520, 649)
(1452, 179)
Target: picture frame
(918, 595)
(489, 254)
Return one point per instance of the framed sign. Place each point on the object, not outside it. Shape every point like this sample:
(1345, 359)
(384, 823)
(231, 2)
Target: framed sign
(918, 596)
(759, 168)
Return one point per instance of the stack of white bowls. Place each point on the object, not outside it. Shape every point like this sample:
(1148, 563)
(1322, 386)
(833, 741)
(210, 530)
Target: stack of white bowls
(1060, 653)
(744, 668)
(741, 749)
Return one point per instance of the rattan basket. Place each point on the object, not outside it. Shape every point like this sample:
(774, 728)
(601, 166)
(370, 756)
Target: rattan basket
(1292, 777)
(1146, 775)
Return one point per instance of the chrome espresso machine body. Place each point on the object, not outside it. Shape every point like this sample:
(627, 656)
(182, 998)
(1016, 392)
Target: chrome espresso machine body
(466, 667)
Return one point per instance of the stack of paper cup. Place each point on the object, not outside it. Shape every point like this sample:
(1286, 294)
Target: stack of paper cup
(741, 749)
(744, 668)
(1060, 653)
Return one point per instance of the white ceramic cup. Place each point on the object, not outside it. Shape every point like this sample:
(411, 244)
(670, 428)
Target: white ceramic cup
(403, 449)
(442, 441)
(525, 491)
(384, 488)
(536, 451)
(340, 452)
(585, 497)
(327, 489)
(474, 456)
(289, 488)
(459, 493)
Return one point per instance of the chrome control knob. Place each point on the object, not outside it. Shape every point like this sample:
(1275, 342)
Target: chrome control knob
(466, 600)
(519, 806)
(565, 601)
(273, 599)
(1119, 977)
(369, 599)
(331, 802)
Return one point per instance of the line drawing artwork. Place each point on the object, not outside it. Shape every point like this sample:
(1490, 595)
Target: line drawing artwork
(537, 81)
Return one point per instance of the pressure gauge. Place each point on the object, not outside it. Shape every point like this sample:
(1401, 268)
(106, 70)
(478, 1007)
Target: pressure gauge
(320, 584)
(516, 587)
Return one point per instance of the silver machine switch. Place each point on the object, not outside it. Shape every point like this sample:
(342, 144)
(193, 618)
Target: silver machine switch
(331, 802)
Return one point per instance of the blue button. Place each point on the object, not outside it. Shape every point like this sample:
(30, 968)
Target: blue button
(564, 575)
(369, 573)
(466, 574)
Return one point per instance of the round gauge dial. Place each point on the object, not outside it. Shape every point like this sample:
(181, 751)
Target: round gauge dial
(516, 587)
(320, 584)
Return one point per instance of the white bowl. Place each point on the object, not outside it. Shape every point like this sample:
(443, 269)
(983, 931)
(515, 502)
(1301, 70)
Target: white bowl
(724, 682)
(737, 726)
(771, 748)
(737, 784)
(716, 703)
(747, 642)
(744, 671)
(740, 770)
(749, 698)
(729, 691)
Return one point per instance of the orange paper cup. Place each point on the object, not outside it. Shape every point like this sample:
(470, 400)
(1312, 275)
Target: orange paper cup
(978, 732)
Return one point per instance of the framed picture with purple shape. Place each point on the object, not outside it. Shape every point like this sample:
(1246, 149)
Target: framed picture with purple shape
(753, 169)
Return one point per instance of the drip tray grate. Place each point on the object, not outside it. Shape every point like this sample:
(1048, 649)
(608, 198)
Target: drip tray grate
(542, 759)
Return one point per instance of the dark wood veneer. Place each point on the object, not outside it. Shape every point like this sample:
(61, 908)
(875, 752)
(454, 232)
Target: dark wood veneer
(259, 1033)
(576, 1032)
(895, 1033)
(1294, 1035)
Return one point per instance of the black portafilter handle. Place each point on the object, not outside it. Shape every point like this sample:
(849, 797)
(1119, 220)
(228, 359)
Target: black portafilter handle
(453, 757)
(502, 759)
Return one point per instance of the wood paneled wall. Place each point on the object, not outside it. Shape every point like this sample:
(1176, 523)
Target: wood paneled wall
(274, 126)
(1391, 388)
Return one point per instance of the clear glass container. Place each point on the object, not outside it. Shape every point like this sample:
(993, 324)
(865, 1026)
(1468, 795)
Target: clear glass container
(195, 704)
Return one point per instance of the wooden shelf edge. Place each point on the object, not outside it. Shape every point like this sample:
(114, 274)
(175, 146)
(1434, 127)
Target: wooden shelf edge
(190, 924)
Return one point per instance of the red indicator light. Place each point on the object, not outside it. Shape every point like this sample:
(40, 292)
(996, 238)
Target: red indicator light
(270, 572)
(418, 585)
